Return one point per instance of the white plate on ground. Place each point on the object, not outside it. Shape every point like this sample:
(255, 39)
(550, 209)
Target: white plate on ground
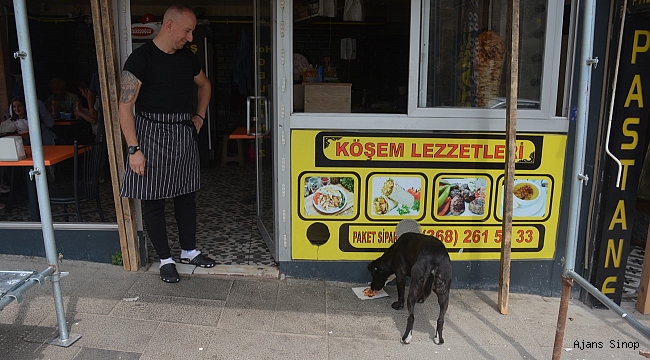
(358, 291)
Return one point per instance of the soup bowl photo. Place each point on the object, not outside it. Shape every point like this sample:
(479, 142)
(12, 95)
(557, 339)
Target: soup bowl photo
(526, 193)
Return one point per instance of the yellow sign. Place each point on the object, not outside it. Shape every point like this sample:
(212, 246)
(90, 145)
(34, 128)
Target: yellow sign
(423, 149)
(353, 188)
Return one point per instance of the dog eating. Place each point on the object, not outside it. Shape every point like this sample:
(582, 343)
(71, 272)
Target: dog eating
(426, 261)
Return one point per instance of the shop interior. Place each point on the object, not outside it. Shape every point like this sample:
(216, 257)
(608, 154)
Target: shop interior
(227, 228)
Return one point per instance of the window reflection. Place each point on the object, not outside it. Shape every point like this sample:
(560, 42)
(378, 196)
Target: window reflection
(363, 55)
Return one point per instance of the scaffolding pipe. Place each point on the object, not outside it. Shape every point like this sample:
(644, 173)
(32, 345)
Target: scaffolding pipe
(26, 285)
(579, 179)
(38, 172)
(642, 329)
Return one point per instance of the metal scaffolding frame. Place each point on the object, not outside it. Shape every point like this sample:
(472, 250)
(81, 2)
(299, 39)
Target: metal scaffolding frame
(21, 281)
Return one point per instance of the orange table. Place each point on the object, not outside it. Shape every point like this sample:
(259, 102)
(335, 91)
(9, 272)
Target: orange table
(68, 122)
(240, 134)
(52, 154)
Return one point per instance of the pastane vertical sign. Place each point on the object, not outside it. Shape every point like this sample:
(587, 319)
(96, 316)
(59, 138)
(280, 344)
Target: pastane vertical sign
(628, 129)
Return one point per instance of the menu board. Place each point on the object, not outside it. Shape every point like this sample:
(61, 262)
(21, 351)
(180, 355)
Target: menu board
(351, 189)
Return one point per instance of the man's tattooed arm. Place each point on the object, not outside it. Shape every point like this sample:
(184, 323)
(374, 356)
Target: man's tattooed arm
(130, 87)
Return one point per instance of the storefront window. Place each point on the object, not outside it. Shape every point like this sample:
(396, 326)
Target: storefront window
(463, 47)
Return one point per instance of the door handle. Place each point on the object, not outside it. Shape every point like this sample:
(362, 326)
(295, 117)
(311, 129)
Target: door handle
(248, 116)
(267, 116)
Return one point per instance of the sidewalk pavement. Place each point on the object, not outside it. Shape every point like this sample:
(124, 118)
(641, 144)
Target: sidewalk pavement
(134, 315)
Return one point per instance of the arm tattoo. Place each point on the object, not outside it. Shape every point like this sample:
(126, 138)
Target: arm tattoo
(129, 87)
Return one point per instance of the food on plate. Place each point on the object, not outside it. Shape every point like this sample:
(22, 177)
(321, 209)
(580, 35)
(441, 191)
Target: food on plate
(348, 183)
(445, 207)
(443, 194)
(465, 192)
(477, 206)
(480, 193)
(394, 191)
(328, 198)
(489, 56)
(526, 191)
(383, 205)
(457, 206)
(415, 193)
(369, 292)
(314, 183)
(457, 196)
(403, 210)
(325, 180)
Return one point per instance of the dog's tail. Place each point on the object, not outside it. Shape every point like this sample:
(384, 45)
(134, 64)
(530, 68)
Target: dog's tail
(435, 281)
(428, 285)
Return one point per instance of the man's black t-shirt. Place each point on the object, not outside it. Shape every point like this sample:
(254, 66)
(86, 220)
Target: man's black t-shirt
(167, 79)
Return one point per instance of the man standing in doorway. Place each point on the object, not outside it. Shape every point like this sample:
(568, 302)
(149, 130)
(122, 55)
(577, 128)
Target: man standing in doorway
(163, 160)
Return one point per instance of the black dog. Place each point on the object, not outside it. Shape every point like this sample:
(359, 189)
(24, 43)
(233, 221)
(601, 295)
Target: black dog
(425, 259)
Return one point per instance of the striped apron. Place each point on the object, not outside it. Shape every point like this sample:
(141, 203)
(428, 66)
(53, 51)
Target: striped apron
(172, 167)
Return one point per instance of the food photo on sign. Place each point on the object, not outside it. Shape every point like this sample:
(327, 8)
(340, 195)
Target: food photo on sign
(396, 195)
(328, 195)
(529, 198)
(461, 197)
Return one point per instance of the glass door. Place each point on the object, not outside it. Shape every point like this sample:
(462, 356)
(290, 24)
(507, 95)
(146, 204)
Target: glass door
(261, 123)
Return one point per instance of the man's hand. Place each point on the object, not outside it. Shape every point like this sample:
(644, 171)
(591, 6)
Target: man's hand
(198, 122)
(137, 161)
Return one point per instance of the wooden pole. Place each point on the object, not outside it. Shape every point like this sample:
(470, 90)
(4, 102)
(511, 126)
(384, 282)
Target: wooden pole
(6, 82)
(102, 14)
(567, 284)
(512, 86)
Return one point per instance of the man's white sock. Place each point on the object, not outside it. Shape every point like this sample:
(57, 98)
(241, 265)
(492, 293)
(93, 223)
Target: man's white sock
(166, 261)
(189, 254)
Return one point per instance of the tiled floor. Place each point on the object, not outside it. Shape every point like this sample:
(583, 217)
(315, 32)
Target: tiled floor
(226, 224)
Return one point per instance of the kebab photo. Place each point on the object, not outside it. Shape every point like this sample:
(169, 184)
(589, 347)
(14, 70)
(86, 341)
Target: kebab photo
(403, 200)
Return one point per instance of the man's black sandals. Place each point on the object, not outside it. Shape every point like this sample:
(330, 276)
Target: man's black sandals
(199, 260)
(169, 274)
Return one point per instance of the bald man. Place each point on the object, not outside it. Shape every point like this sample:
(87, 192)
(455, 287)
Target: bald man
(163, 157)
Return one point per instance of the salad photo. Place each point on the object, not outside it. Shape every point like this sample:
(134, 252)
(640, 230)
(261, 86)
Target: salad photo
(328, 195)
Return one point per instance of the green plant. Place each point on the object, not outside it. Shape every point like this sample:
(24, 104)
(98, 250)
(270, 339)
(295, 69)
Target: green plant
(116, 259)
(348, 183)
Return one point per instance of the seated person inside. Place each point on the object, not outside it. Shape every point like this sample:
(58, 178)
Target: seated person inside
(91, 115)
(61, 100)
(19, 117)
